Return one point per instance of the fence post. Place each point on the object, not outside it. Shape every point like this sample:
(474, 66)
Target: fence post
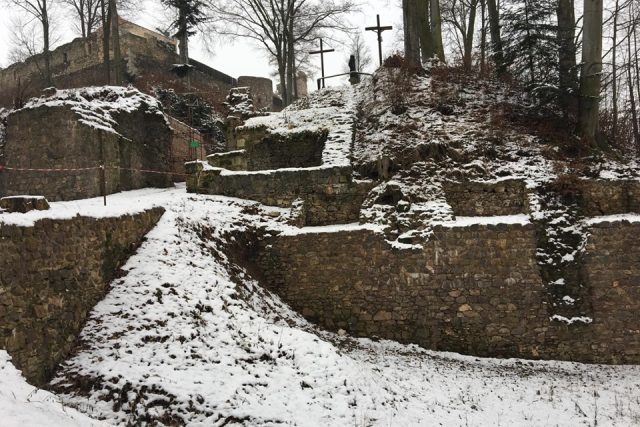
(103, 177)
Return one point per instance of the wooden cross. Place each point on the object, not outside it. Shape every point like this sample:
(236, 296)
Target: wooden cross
(378, 29)
(322, 51)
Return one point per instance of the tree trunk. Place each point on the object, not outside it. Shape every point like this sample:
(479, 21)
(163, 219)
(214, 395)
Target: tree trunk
(614, 71)
(291, 54)
(635, 57)
(591, 70)
(411, 38)
(424, 27)
(567, 68)
(83, 23)
(632, 100)
(483, 37)
(106, 36)
(468, 39)
(115, 30)
(184, 36)
(436, 29)
(281, 59)
(496, 40)
(46, 43)
(530, 53)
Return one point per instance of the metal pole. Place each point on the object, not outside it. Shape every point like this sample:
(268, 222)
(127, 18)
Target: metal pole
(379, 40)
(322, 62)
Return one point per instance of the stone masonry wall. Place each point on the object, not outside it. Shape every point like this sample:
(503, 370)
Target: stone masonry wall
(147, 60)
(609, 197)
(295, 150)
(330, 195)
(261, 89)
(612, 272)
(274, 151)
(486, 199)
(51, 276)
(474, 290)
(45, 138)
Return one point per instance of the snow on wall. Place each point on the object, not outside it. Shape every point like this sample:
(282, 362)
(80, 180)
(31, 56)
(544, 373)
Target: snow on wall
(98, 106)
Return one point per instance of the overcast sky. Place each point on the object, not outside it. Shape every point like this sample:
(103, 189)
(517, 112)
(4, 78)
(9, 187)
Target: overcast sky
(233, 57)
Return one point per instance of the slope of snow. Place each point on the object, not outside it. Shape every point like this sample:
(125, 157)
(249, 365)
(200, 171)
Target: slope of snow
(332, 109)
(186, 336)
(97, 106)
(22, 405)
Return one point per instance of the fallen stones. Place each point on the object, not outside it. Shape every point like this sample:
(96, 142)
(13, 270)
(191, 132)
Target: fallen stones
(24, 204)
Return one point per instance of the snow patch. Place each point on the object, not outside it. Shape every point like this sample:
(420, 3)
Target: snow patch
(98, 106)
(22, 405)
(571, 320)
(467, 221)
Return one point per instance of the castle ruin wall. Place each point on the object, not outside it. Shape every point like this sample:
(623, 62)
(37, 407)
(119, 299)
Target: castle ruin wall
(54, 138)
(475, 290)
(51, 276)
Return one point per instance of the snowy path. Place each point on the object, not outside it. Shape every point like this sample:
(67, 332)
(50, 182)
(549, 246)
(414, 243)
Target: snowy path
(177, 341)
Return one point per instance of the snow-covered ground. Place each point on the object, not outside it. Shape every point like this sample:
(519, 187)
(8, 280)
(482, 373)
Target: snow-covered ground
(23, 405)
(186, 336)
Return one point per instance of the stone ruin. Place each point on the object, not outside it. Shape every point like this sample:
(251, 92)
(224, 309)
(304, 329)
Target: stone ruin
(476, 286)
(278, 162)
(55, 144)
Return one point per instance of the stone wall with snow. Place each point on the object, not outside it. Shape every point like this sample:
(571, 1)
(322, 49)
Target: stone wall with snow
(51, 276)
(73, 132)
(473, 288)
(294, 150)
(330, 195)
(468, 198)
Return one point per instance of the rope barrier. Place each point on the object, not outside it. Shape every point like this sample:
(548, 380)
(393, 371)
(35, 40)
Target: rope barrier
(46, 170)
(2, 168)
(147, 171)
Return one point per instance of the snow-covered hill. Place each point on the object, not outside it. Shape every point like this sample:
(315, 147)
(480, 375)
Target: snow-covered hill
(187, 337)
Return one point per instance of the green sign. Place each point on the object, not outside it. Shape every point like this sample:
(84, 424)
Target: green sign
(194, 144)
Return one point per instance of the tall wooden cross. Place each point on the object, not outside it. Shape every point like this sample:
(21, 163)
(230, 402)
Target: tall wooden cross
(378, 29)
(322, 51)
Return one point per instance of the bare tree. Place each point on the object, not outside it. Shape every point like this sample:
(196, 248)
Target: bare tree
(588, 117)
(436, 29)
(281, 27)
(496, 40)
(361, 51)
(567, 69)
(25, 42)
(40, 11)
(87, 14)
(461, 15)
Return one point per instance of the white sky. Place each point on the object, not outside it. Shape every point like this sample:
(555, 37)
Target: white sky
(240, 56)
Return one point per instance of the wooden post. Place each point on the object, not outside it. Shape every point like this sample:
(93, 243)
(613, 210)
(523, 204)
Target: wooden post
(321, 52)
(103, 176)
